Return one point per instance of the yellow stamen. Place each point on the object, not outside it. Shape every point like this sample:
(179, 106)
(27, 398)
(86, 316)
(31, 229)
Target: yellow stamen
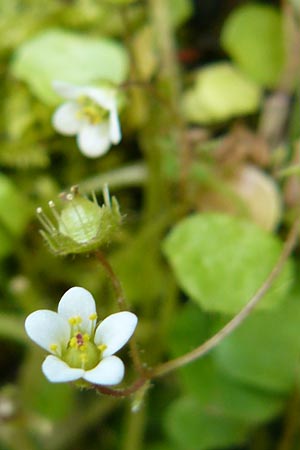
(75, 320)
(73, 342)
(93, 316)
(53, 347)
(86, 337)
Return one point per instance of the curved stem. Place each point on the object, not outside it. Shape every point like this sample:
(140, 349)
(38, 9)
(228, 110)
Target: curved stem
(122, 306)
(239, 318)
(122, 392)
(211, 343)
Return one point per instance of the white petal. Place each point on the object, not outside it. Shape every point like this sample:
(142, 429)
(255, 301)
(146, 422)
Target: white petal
(114, 127)
(57, 371)
(108, 372)
(65, 120)
(78, 302)
(94, 140)
(115, 331)
(105, 97)
(46, 328)
(66, 90)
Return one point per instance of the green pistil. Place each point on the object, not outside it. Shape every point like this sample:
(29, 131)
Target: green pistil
(81, 353)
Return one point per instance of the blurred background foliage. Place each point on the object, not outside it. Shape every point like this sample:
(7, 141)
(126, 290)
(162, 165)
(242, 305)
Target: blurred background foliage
(207, 180)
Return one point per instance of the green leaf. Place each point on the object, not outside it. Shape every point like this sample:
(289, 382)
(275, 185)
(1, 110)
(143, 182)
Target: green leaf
(264, 351)
(219, 93)
(253, 37)
(192, 429)
(180, 11)
(62, 55)
(220, 261)
(14, 208)
(214, 390)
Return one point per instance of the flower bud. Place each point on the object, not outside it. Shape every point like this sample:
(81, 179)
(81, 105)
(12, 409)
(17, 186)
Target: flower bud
(82, 225)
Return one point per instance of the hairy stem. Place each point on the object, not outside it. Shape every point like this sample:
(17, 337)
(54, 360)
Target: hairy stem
(122, 392)
(116, 284)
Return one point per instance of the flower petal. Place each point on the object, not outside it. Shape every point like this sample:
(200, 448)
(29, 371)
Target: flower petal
(114, 126)
(94, 140)
(78, 302)
(66, 90)
(65, 120)
(108, 372)
(57, 371)
(115, 331)
(104, 97)
(46, 328)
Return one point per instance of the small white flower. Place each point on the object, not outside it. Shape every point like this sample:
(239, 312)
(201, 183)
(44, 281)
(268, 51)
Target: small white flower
(78, 348)
(91, 113)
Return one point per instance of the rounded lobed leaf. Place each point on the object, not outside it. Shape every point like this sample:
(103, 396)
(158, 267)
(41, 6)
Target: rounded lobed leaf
(264, 351)
(253, 37)
(221, 91)
(191, 428)
(220, 261)
(69, 56)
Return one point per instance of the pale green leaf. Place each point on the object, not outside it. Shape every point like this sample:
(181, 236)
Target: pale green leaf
(264, 351)
(215, 390)
(220, 92)
(221, 261)
(67, 56)
(192, 429)
(253, 37)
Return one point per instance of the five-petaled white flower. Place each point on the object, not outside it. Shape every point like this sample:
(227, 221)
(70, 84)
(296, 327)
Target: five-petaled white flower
(91, 113)
(79, 348)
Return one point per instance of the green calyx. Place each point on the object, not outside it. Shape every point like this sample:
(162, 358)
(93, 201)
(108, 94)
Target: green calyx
(82, 225)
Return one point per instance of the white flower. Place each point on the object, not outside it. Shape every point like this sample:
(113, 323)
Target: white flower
(78, 348)
(90, 113)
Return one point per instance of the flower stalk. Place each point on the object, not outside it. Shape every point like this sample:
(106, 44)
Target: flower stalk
(203, 349)
(116, 284)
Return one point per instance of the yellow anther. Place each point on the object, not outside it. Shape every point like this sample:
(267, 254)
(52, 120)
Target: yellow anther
(93, 316)
(75, 320)
(73, 342)
(82, 347)
(102, 347)
(53, 347)
(72, 320)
